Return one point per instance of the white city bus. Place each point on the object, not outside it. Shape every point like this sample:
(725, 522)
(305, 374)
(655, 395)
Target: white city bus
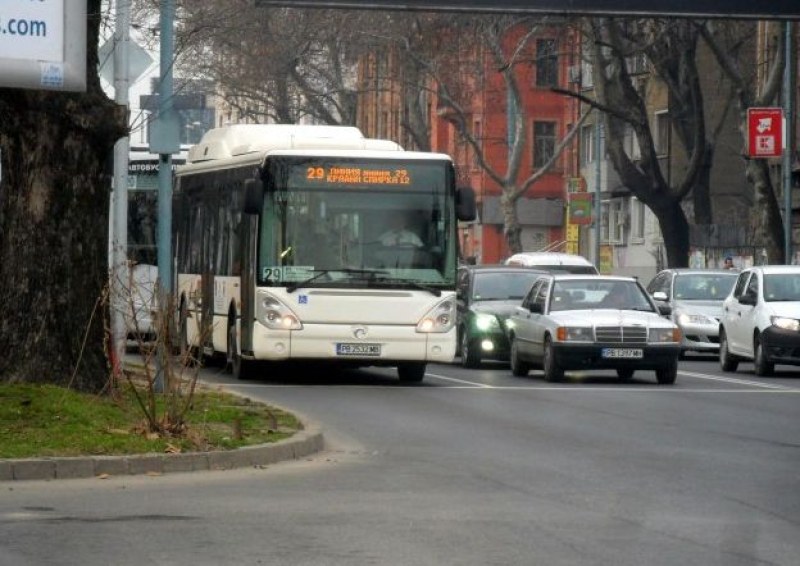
(277, 238)
(141, 272)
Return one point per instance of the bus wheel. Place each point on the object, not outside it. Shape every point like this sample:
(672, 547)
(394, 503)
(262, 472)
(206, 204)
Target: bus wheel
(411, 372)
(239, 368)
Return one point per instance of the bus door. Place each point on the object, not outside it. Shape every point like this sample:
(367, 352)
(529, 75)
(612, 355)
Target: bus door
(248, 279)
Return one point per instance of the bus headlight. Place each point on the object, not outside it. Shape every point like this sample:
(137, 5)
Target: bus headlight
(273, 314)
(440, 318)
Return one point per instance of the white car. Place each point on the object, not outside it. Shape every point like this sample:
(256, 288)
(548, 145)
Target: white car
(555, 262)
(761, 319)
(569, 322)
(695, 296)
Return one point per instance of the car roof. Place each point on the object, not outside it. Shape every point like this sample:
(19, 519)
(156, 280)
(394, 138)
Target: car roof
(700, 271)
(589, 276)
(550, 258)
(500, 268)
(776, 268)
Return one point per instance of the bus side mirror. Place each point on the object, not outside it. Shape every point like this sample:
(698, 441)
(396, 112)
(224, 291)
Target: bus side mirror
(253, 196)
(465, 204)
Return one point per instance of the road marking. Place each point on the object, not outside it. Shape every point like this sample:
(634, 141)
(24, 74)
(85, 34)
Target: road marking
(462, 381)
(734, 380)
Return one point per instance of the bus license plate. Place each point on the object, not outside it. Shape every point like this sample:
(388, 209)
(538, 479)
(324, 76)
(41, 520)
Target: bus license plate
(623, 353)
(348, 349)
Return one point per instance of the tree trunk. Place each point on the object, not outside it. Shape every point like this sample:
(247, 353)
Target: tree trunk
(54, 203)
(769, 223)
(675, 230)
(511, 228)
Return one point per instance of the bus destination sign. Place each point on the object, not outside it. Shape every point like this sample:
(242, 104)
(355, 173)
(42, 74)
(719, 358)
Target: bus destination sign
(357, 176)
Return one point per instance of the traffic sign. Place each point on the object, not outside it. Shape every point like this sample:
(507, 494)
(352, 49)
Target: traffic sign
(765, 132)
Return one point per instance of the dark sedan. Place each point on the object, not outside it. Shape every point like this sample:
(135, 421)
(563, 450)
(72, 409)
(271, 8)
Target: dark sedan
(487, 296)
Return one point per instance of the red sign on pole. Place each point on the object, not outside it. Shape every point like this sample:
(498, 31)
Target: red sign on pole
(764, 132)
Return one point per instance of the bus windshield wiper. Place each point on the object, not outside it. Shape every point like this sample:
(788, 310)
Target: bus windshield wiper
(370, 273)
(412, 283)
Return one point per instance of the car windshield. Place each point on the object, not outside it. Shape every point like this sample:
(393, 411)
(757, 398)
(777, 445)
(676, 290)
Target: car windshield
(502, 286)
(581, 294)
(781, 287)
(703, 286)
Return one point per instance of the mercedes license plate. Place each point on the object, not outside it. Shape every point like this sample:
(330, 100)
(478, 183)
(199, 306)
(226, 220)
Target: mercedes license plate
(349, 349)
(623, 353)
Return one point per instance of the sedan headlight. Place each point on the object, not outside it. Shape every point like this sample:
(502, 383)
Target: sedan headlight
(273, 314)
(687, 318)
(574, 334)
(440, 318)
(664, 335)
(485, 321)
(785, 323)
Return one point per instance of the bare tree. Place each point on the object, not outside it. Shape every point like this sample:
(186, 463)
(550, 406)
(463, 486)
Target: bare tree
(459, 59)
(671, 49)
(280, 64)
(727, 42)
(54, 196)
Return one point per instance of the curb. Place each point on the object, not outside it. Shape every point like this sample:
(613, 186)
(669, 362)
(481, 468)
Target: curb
(302, 444)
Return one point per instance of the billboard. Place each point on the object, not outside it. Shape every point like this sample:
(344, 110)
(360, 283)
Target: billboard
(762, 9)
(43, 44)
(765, 132)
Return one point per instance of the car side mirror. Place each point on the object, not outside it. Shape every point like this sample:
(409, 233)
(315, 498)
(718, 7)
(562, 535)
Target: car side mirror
(660, 296)
(466, 210)
(535, 307)
(253, 196)
(664, 309)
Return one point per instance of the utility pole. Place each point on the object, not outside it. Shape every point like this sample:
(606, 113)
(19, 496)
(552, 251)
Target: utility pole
(120, 293)
(164, 141)
(598, 140)
(789, 131)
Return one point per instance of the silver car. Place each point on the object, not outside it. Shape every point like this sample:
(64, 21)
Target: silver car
(569, 322)
(695, 297)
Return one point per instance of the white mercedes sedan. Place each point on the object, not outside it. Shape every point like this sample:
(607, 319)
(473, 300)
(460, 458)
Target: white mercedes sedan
(570, 322)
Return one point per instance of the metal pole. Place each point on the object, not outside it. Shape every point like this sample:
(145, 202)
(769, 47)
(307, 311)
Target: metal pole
(121, 294)
(165, 189)
(598, 138)
(788, 150)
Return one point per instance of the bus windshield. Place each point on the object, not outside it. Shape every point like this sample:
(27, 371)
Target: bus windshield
(346, 222)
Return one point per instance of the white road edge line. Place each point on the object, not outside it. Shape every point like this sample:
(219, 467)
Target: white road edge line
(462, 381)
(734, 380)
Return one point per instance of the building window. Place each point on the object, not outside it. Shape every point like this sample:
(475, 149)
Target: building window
(613, 219)
(662, 133)
(638, 215)
(587, 145)
(631, 144)
(544, 143)
(546, 62)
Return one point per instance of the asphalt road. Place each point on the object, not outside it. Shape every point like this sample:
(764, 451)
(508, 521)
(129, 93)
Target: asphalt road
(473, 467)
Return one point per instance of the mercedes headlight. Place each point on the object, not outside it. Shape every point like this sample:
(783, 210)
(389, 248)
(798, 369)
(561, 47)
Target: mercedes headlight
(574, 334)
(785, 323)
(664, 335)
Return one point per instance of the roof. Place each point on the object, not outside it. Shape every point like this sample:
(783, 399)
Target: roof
(696, 270)
(548, 258)
(776, 268)
(498, 267)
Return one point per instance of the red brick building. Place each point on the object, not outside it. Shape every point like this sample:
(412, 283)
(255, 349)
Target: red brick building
(546, 60)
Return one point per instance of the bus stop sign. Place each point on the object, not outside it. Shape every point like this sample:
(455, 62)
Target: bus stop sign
(764, 132)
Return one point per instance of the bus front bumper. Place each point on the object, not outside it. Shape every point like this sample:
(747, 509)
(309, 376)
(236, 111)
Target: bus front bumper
(365, 344)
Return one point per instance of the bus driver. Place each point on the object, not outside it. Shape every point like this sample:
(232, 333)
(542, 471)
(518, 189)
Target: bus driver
(398, 234)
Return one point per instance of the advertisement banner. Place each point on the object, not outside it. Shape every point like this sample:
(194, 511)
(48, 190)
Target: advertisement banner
(580, 208)
(32, 31)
